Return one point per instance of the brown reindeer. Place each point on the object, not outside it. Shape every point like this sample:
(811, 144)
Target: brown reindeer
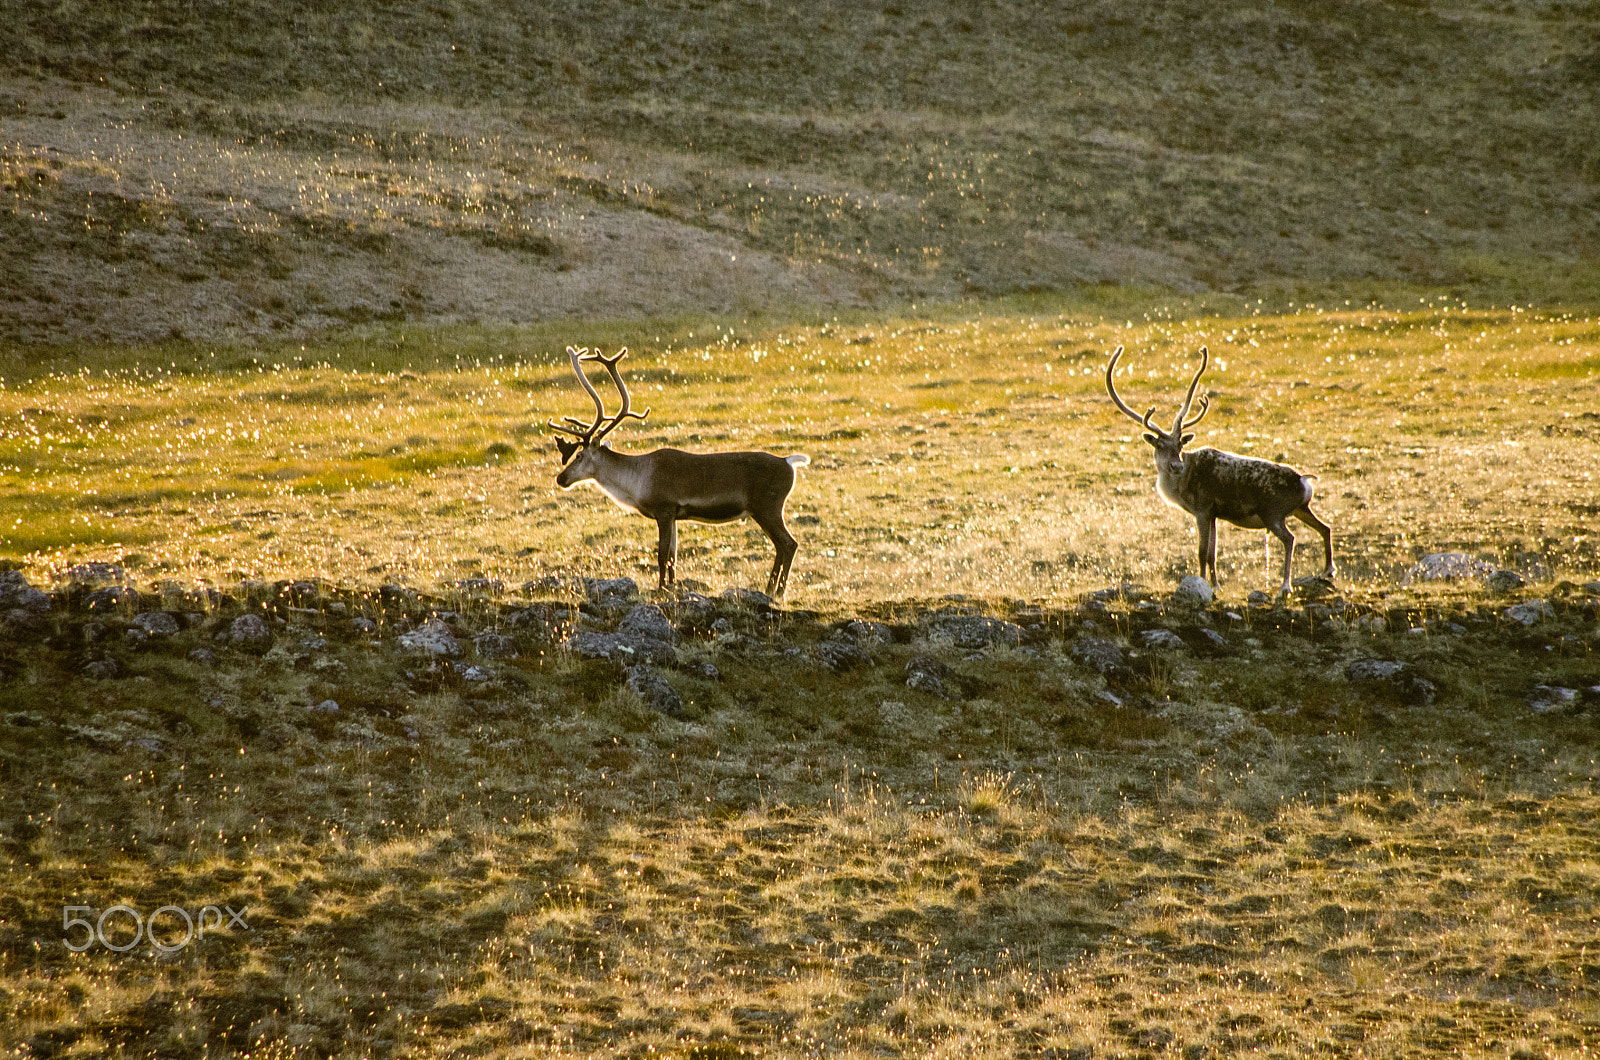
(669, 484)
(1211, 484)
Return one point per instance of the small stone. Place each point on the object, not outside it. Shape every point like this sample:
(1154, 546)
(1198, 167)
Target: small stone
(748, 599)
(102, 669)
(135, 637)
(1545, 699)
(1099, 654)
(647, 622)
(1530, 612)
(433, 637)
(327, 706)
(204, 657)
(364, 625)
(702, 669)
(657, 693)
(1194, 591)
(841, 654)
(475, 674)
(157, 623)
(1372, 623)
(1504, 581)
(494, 646)
(1162, 639)
(1364, 671)
(971, 632)
(869, 635)
(924, 673)
(251, 633)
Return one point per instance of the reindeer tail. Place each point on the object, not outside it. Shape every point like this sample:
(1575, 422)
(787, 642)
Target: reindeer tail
(797, 460)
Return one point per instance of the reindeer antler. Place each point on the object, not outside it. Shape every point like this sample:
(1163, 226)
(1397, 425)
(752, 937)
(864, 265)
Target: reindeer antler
(1112, 388)
(590, 433)
(1179, 425)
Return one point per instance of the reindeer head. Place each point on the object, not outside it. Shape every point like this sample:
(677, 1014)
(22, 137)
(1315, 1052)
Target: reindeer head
(1167, 444)
(578, 457)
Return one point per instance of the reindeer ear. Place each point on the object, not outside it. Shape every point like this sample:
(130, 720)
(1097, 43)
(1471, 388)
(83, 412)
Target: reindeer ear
(566, 448)
(1186, 439)
(1152, 439)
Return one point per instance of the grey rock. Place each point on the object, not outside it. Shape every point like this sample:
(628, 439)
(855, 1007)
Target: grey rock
(656, 691)
(1099, 654)
(870, 635)
(476, 674)
(16, 593)
(1504, 581)
(494, 646)
(482, 586)
(970, 632)
(749, 599)
(1530, 612)
(134, 637)
(20, 618)
(327, 706)
(927, 674)
(251, 633)
(110, 598)
(647, 622)
(617, 648)
(204, 657)
(840, 654)
(102, 669)
(433, 637)
(702, 669)
(1194, 591)
(1546, 699)
(694, 612)
(364, 625)
(610, 591)
(1447, 567)
(1215, 640)
(1367, 671)
(1162, 639)
(157, 623)
(1257, 598)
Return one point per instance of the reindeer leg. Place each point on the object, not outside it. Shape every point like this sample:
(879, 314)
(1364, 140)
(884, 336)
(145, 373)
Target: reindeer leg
(1280, 530)
(1207, 525)
(786, 547)
(1305, 515)
(667, 552)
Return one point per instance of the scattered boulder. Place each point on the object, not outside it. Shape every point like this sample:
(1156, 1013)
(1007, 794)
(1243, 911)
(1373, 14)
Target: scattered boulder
(396, 597)
(1194, 591)
(1504, 582)
(1530, 612)
(204, 657)
(869, 635)
(1546, 699)
(644, 634)
(475, 674)
(110, 598)
(17, 595)
(1103, 656)
(702, 669)
(364, 625)
(1161, 639)
(1396, 678)
(157, 623)
(251, 633)
(647, 623)
(610, 596)
(971, 632)
(494, 646)
(327, 706)
(1447, 567)
(749, 599)
(433, 637)
(96, 573)
(841, 653)
(694, 612)
(927, 674)
(657, 693)
(102, 669)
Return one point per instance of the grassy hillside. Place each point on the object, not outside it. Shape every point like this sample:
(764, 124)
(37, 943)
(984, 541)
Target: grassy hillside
(241, 169)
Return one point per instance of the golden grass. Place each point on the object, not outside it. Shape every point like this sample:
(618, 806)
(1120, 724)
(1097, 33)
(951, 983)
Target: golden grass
(950, 455)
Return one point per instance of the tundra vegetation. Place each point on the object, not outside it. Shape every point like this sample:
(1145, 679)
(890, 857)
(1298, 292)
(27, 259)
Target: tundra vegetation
(294, 622)
(315, 636)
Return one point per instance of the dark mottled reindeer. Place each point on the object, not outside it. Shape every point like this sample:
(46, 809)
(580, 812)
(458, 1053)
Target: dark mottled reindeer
(1211, 484)
(669, 484)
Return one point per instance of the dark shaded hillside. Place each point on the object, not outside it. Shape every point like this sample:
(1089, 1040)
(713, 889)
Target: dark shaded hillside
(895, 151)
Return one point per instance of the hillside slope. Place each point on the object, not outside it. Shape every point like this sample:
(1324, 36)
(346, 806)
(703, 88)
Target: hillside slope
(258, 168)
